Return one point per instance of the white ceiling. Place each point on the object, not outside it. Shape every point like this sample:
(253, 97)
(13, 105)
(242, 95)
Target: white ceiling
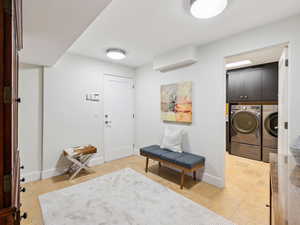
(258, 57)
(146, 28)
(52, 26)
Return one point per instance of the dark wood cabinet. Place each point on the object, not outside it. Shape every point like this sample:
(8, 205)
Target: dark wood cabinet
(270, 82)
(10, 44)
(253, 84)
(245, 85)
(234, 86)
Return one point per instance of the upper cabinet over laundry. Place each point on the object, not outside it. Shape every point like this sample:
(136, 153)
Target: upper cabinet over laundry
(258, 83)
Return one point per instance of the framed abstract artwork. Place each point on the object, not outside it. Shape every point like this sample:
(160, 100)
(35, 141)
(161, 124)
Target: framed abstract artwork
(176, 102)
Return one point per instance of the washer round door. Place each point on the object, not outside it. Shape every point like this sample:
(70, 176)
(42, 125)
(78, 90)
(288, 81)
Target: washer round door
(245, 122)
(271, 124)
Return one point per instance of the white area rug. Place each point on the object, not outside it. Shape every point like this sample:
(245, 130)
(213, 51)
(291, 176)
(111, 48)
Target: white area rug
(124, 197)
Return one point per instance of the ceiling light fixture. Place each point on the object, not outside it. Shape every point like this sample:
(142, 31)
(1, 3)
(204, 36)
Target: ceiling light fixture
(239, 63)
(115, 53)
(204, 9)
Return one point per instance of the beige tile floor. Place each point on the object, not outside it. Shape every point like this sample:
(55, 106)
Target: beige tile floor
(242, 201)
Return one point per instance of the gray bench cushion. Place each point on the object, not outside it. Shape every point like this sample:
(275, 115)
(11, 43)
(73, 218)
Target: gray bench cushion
(154, 150)
(185, 159)
(171, 156)
(190, 160)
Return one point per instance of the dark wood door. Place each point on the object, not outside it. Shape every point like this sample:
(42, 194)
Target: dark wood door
(10, 44)
(270, 82)
(252, 84)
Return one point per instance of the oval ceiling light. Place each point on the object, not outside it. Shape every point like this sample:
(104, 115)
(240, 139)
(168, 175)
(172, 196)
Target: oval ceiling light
(115, 53)
(204, 9)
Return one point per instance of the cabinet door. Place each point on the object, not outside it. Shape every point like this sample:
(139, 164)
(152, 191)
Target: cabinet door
(235, 86)
(270, 82)
(252, 84)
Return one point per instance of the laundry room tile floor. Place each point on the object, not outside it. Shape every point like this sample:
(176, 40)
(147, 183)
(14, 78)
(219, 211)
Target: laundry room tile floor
(242, 201)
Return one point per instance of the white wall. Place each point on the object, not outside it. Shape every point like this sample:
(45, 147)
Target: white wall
(30, 120)
(69, 120)
(207, 133)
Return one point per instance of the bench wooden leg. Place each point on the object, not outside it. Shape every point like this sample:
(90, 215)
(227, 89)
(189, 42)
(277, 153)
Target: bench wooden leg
(194, 175)
(147, 163)
(182, 179)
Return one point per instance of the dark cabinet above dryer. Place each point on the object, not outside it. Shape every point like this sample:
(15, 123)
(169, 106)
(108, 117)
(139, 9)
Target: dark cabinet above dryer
(245, 85)
(253, 84)
(270, 82)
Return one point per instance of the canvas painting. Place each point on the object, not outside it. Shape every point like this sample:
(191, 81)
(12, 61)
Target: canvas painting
(176, 102)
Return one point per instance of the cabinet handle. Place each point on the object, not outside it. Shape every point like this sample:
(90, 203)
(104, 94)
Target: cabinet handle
(23, 179)
(268, 206)
(241, 96)
(23, 189)
(22, 167)
(24, 216)
(18, 100)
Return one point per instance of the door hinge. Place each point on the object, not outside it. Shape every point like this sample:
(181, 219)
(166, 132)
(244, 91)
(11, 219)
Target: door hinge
(286, 125)
(286, 62)
(7, 95)
(7, 183)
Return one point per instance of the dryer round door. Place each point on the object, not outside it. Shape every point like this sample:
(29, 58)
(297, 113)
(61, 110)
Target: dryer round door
(271, 124)
(245, 122)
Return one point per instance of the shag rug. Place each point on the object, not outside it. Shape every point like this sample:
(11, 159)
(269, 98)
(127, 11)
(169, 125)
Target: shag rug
(124, 197)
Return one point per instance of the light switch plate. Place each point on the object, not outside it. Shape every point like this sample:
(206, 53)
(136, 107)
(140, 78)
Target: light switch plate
(93, 96)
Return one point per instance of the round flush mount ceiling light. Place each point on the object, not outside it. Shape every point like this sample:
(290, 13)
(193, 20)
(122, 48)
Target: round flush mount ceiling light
(115, 53)
(204, 9)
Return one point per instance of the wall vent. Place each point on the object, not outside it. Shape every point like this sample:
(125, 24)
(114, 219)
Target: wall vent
(175, 59)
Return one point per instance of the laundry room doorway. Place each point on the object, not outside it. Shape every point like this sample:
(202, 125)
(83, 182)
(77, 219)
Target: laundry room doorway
(256, 121)
(257, 97)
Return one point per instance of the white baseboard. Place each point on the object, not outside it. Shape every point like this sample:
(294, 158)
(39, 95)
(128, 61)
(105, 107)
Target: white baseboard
(208, 178)
(59, 171)
(211, 179)
(136, 151)
(31, 176)
(53, 172)
(96, 161)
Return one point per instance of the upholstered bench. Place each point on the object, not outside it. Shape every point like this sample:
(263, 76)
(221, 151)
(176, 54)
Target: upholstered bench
(186, 162)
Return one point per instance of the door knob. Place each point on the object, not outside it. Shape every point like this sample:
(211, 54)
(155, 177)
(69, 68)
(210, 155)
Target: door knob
(24, 216)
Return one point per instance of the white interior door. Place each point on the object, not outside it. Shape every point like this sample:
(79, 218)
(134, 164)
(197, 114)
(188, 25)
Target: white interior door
(118, 117)
(283, 145)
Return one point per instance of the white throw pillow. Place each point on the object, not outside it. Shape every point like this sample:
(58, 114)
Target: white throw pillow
(172, 139)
